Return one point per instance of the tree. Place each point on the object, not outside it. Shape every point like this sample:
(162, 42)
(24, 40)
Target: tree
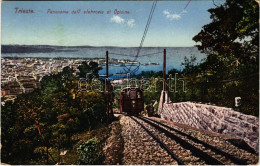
(8, 130)
(232, 47)
(48, 117)
(90, 68)
(231, 39)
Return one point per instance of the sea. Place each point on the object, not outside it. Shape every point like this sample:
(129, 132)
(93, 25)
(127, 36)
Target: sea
(174, 56)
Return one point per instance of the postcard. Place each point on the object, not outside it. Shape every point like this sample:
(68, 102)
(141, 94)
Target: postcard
(130, 82)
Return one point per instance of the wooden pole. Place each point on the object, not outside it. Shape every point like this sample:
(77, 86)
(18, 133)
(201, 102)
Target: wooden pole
(47, 155)
(164, 71)
(107, 87)
(120, 101)
(141, 84)
(59, 155)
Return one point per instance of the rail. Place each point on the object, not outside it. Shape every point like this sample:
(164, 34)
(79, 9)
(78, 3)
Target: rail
(206, 145)
(170, 152)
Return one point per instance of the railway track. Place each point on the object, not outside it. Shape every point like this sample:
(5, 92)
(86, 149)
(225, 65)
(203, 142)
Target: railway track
(169, 151)
(217, 151)
(183, 148)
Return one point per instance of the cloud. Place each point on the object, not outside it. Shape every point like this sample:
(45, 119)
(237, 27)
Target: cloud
(166, 12)
(184, 11)
(174, 16)
(117, 20)
(131, 23)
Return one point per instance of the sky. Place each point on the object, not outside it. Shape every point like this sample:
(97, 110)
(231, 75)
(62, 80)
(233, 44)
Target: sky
(173, 24)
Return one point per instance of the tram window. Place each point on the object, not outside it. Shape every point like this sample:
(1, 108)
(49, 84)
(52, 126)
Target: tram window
(132, 95)
(138, 95)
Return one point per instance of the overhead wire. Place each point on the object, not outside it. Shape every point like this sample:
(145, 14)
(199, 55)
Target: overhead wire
(119, 54)
(144, 35)
(187, 5)
(128, 70)
(139, 55)
(150, 54)
(145, 32)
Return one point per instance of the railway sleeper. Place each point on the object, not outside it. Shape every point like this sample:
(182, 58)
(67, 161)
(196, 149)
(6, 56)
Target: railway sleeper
(194, 150)
(169, 151)
(206, 145)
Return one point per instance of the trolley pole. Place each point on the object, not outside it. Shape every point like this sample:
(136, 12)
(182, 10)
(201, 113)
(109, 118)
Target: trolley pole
(164, 71)
(107, 87)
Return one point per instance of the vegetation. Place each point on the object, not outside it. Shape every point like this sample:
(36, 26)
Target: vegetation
(231, 67)
(90, 152)
(40, 122)
(231, 43)
(37, 125)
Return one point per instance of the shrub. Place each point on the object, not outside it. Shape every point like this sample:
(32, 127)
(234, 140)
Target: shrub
(90, 152)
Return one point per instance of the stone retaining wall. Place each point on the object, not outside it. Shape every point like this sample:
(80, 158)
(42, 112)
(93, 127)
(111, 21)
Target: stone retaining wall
(217, 119)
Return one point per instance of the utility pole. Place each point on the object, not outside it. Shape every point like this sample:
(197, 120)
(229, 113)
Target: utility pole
(107, 87)
(59, 155)
(141, 84)
(164, 71)
(120, 101)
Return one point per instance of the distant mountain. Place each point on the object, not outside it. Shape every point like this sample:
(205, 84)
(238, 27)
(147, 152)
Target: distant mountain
(38, 48)
(49, 48)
